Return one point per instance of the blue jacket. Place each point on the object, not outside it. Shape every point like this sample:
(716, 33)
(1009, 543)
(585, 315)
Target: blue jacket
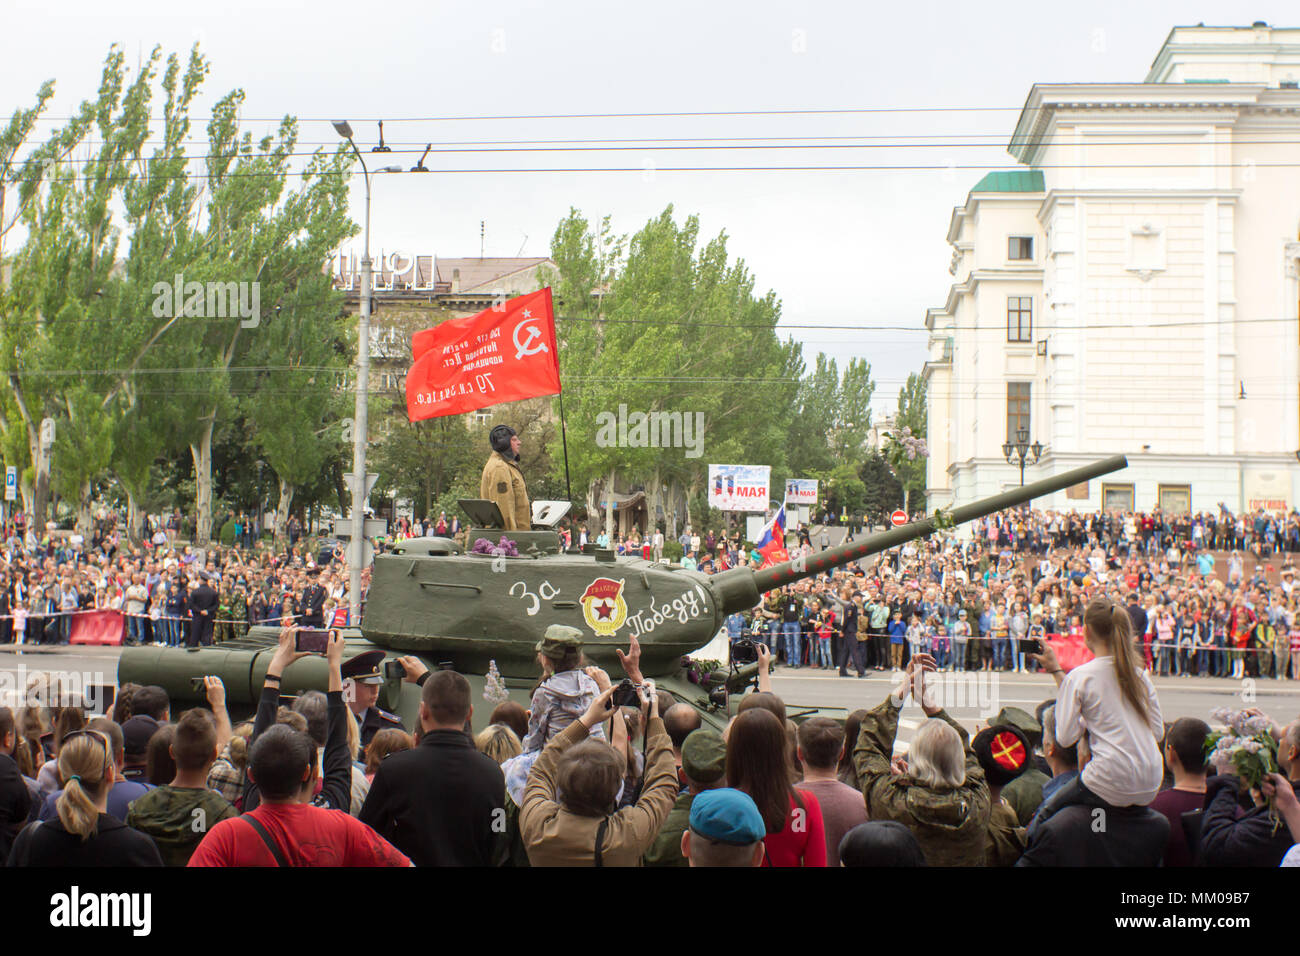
(897, 632)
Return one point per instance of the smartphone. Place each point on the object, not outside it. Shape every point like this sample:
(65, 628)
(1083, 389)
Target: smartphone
(311, 641)
(1031, 646)
(393, 670)
(197, 683)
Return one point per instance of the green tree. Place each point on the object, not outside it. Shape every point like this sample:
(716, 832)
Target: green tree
(882, 491)
(674, 327)
(912, 415)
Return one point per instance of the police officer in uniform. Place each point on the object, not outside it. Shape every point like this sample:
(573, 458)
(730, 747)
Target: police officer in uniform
(503, 482)
(313, 603)
(361, 680)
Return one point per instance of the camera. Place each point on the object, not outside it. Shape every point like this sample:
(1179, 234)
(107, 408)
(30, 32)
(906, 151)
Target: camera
(311, 641)
(393, 670)
(197, 683)
(625, 695)
(744, 651)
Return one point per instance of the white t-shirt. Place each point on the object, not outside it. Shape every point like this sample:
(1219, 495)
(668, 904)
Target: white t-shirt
(1126, 767)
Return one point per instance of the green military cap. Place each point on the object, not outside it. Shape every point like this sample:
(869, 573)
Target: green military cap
(559, 640)
(1022, 720)
(704, 755)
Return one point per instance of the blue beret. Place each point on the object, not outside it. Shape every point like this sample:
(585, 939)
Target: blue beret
(727, 816)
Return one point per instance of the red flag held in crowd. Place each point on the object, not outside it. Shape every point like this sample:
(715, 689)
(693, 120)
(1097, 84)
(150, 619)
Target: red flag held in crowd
(503, 354)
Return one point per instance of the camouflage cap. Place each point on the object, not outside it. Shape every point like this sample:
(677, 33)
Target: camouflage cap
(1022, 720)
(704, 755)
(559, 640)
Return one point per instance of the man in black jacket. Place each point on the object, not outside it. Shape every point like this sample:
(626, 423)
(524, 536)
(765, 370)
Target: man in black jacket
(1096, 836)
(203, 614)
(1255, 838)
(1137, 615)
(442, 803)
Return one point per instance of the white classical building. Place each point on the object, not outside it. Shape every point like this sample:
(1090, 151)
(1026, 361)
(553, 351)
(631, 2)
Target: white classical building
(1133, 289)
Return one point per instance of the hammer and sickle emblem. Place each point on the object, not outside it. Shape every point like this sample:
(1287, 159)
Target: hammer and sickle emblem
(526, 347)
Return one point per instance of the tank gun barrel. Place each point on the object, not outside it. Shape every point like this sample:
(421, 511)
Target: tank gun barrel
(738, 589)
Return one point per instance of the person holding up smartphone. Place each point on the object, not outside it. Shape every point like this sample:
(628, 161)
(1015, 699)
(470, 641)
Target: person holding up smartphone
(336, 767)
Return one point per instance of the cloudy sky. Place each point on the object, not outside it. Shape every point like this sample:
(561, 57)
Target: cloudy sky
(926, 92)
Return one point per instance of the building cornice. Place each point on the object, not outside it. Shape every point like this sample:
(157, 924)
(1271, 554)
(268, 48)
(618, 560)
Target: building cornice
(1046, 100)
(999, 275)
(1145, 195)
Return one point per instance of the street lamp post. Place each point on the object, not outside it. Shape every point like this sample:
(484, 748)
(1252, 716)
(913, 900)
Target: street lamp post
(359, 414)
(1020, 450)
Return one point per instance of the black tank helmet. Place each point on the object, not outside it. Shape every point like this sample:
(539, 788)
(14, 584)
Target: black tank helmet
(500, 438)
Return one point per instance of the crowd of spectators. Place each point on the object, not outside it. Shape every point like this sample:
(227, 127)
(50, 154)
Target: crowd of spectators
(645, 782)
(168, 593)
(978, 600)
(582, 778)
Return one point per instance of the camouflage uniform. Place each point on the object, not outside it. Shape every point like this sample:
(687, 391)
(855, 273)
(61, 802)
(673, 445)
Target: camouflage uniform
(178, 818)
(223, 631)
(1006, 838)
(950, 824)
(239, 612)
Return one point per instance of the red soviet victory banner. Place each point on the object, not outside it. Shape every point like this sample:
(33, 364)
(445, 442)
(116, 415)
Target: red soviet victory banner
(503, 354)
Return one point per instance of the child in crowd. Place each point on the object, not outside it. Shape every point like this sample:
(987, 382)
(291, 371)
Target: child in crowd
(897, 634)
(939, 643)
(155, 618)
(562, 696)
(825, 631)
(1113, 702)
(20, 621)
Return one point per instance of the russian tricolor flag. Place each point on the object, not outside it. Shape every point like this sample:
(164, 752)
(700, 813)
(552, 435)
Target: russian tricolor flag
(771, 540)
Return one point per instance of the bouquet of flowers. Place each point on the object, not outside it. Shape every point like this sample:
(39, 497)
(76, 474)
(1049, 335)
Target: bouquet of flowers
(495, 690)
(505, 548)
(1247, 744)
(699, 671)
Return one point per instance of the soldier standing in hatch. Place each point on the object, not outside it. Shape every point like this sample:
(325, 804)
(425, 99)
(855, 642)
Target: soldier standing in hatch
(503, 482)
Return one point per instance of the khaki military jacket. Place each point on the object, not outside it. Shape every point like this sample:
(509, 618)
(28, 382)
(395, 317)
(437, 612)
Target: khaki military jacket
(552, 836)
(503, 483)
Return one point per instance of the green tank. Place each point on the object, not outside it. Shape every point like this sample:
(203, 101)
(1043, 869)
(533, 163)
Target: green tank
(457, 609)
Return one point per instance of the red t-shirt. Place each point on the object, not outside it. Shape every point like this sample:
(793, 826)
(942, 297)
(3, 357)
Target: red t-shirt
(803, 841)
(307, 835)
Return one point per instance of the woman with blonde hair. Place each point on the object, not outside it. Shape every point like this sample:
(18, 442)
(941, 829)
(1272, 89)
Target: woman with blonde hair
(498, 742)
(1111, 701)
(67, 720)
(84, 834)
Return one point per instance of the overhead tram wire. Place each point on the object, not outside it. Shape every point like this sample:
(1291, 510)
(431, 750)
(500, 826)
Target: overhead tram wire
(664, 144)
(784, 326)
(879, 167)
(840, 111)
